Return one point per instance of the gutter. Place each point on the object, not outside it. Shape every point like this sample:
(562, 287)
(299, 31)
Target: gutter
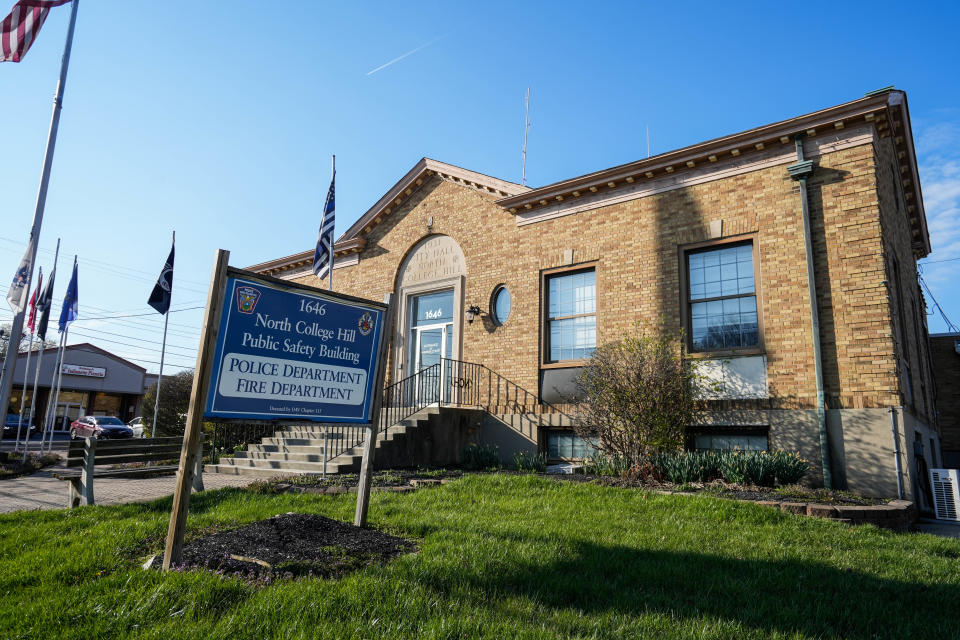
(800, 171)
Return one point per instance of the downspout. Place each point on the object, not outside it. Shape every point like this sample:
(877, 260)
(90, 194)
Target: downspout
(896, 450)
(800, 171)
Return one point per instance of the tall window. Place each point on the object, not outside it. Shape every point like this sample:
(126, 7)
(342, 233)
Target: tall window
(571, 315)
(721, 298)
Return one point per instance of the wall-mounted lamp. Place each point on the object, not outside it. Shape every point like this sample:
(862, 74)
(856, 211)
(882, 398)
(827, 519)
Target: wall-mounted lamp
(472, 312)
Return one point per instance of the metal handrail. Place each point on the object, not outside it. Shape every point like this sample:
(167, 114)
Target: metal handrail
(466, 382)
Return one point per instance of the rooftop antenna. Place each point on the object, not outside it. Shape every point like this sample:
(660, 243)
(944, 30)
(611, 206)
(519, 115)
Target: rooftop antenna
(648, 141)
(526, 129)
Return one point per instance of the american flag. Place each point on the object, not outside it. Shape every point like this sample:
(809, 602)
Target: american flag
(323, 256)
(32, 317)
(19, 29)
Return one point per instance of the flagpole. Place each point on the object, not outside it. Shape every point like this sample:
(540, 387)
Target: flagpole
(23, 393)
(59, 374)
(333, 176)
(163, 351)
(51, 397)
(6, 379)
(33, 405)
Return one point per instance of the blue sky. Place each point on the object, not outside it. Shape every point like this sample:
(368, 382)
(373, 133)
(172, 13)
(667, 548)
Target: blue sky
(218, 119)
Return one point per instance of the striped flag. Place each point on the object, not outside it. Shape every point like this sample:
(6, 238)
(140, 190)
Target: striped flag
(19, 29)
(323, 256)
(32, 317)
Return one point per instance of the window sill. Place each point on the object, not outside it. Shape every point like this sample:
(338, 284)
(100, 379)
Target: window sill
(564, 364)
(709, 355)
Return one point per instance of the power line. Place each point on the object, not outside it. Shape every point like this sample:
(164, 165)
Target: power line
(126, 344)
(86, 259)
(943, 315)
(944, 260)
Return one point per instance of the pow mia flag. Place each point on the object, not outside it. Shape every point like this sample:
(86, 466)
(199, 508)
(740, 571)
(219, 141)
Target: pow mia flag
(160, 296)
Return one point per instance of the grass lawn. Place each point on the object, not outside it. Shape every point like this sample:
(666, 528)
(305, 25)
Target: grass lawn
(500, 557)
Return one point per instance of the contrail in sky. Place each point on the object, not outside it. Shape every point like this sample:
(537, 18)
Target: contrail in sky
(408, 53)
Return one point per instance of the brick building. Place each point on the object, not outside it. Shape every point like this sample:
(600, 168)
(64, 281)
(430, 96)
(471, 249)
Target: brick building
(710, 239)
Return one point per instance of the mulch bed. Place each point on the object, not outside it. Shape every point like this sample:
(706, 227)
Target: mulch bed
(291, 545)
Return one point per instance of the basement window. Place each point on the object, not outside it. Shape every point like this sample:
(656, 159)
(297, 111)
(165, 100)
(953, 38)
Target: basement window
(729, 438)
(567, 444)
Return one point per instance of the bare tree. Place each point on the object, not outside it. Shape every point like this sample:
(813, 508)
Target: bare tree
(638, 396)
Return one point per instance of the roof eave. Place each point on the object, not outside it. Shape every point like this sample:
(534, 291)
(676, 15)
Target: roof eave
(679, 158)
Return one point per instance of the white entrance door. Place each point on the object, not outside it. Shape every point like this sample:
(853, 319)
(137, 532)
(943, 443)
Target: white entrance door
(431, 340)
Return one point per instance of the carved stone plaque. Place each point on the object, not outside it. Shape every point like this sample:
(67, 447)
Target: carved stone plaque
(436, 258)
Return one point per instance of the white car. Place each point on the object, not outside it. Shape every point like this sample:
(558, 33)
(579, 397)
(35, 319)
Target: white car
(137, 425)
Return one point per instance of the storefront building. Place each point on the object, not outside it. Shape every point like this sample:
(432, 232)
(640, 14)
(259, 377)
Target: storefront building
(94, 382)
(709, 240)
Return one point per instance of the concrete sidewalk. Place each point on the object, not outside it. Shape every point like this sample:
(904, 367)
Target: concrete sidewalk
(42, 491)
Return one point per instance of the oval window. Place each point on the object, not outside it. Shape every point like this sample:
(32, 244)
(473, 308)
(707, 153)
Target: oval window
(500, 305)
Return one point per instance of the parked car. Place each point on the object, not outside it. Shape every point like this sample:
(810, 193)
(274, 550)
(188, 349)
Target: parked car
(10, 425)
(138, 428)
(99, 427)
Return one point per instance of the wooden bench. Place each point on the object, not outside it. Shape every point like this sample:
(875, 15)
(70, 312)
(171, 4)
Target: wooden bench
(90, 452)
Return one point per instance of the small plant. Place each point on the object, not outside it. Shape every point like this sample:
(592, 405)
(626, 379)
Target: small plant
(789, 467)
(527, 461)
(481, 456)
(686, 467)
(602, 465)
(760, 468)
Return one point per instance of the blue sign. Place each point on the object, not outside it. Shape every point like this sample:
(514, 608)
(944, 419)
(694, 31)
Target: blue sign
(291, 353)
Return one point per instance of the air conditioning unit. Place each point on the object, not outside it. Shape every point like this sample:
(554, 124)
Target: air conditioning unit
(946, 493)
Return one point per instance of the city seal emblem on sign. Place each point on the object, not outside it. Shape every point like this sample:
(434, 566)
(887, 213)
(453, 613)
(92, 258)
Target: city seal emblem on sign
(247, 299)
(365, 324)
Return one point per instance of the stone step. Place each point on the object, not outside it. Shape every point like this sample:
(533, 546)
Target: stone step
(231, 470)
(299, 449)
(316, 467)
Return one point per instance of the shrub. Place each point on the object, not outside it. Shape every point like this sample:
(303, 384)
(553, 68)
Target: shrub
(527, 461)
(481, 456)
(636, 397)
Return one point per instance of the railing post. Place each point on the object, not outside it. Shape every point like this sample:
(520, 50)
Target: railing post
(86, 477)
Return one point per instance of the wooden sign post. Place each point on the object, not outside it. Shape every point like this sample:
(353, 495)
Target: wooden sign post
(191, 439)
(370, 441)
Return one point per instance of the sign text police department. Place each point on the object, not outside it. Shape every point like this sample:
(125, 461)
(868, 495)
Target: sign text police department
(288, 353)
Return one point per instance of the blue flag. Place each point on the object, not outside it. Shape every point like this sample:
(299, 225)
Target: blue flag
(323, 256)
(68, 312)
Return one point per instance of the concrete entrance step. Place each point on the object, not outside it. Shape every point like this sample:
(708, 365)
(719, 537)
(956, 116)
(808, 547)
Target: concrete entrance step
(251, 471)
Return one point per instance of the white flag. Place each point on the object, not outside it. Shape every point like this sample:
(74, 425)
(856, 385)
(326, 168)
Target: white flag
(20, 287)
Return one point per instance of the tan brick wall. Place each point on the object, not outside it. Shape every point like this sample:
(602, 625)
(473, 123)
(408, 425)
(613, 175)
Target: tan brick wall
(635, 245)
(907, 326)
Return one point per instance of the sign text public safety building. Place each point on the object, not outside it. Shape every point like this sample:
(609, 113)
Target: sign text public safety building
(288, 352)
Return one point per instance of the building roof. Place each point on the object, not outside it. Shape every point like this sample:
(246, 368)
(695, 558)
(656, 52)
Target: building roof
(86, 346)
(885, 109)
